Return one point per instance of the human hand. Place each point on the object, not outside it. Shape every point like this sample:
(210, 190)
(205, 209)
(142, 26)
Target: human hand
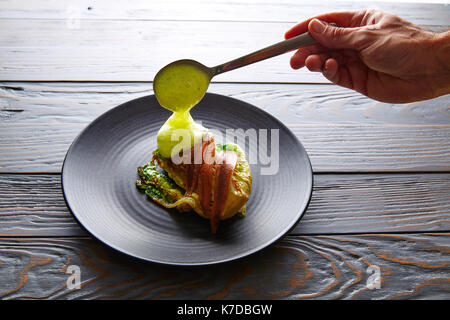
(377, 54)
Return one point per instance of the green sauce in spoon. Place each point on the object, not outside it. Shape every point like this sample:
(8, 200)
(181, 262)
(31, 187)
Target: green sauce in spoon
(179, 87)
(182, 84)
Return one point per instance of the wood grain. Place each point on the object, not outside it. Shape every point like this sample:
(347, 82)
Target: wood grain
(212, 10)
(33, 205)
(41, 147)
(49, 50)
(342, 131)
(299, 267)
(114, 48)
(82, 102)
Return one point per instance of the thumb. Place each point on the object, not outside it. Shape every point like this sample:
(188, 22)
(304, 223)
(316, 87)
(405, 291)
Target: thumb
(334, 37)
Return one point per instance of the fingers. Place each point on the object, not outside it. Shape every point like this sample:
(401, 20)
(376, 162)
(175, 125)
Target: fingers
(336, 37)
(316, 62)
(336, 54)
(330, 70)
(335, 71)
(298, 59)
(342, 19)
(346, 70)
(351, 75)
(339, 75)
(299, 28)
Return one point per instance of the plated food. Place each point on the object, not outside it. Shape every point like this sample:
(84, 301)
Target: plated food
(98, 185)
(189, 171)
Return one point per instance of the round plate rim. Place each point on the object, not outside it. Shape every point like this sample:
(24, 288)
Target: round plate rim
(247, 253)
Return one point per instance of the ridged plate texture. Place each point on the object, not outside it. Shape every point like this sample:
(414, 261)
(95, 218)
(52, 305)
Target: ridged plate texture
(99, 173)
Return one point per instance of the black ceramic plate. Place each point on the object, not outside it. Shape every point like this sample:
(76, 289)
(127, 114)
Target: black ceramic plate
(99, 173)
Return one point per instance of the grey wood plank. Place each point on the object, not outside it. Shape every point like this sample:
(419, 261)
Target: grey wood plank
(343, 131)
(213, 10)
(134, 50)
(411, 266)
(82, 102)
(33, 205)
(41, 147)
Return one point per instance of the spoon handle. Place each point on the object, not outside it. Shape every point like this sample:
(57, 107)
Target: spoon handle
(276, 49)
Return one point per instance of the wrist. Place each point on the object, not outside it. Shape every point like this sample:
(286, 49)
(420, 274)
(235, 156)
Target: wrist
(441, 57)
(441, 49)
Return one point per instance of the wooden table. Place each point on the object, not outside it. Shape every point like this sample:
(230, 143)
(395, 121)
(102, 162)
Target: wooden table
(381, 171)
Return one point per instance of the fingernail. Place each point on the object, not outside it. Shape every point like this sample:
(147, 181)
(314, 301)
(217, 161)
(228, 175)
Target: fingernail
(317, 26)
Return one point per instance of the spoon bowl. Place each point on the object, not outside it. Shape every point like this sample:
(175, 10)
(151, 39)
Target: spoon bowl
(180, 85)
(190, 62)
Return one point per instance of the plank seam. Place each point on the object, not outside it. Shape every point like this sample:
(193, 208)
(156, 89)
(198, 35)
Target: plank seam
(440, 232)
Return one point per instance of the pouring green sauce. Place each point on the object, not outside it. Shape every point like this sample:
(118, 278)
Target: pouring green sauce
(182, 84)
(179, 87)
